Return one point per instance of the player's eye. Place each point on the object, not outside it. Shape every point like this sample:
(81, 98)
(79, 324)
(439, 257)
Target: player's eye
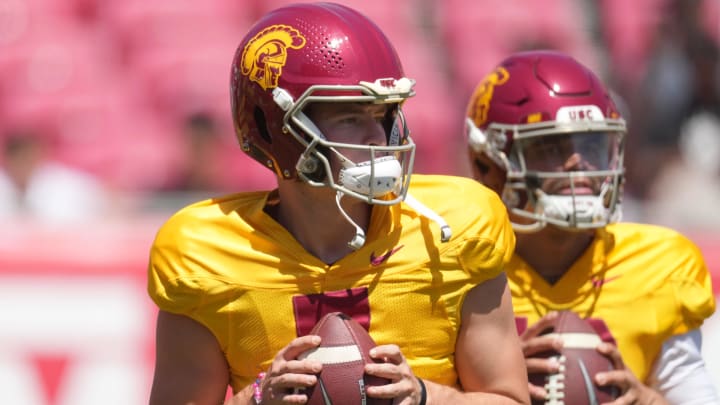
(348, 119)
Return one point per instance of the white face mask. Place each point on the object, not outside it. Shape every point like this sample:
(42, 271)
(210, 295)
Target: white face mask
(583, 195)
(383, 177)
(353, 179)
(382, 170)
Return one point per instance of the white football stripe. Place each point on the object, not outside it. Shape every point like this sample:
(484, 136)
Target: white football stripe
(578, 340)
(333, 355)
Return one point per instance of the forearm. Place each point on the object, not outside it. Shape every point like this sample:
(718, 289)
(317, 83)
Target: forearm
(438, 394)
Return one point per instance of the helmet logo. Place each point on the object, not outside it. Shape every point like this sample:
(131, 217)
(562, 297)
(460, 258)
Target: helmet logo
(266, 53)
(484, 92)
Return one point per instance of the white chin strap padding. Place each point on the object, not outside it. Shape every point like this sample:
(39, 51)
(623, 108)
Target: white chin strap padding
(361, 178)
(573, 209)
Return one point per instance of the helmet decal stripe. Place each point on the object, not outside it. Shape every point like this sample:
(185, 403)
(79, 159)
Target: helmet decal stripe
(484, 92)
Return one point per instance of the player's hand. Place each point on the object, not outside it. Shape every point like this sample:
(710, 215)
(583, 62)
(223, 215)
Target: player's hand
(633, 391)
(287, 377)
(404, 388)
(532, 344)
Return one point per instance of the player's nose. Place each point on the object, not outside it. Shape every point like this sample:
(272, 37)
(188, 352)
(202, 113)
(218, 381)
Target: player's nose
(375, 134)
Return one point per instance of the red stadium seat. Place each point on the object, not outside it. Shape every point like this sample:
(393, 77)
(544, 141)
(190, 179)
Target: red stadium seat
(62, 80)
(145, 26)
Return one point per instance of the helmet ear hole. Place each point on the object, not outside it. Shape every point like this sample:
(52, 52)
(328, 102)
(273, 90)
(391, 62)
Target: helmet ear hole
(312, 168)
(261, 124)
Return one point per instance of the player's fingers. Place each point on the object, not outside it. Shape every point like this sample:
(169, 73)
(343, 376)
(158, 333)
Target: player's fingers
(286, 373)
(537, 365)
(385, 391)
(386, 370)
(285, 396)
(299, 345)
(611, 351)
(539, 344)
(299, 367)
(537, 392)
(401, 389)
(628, 398)
(298, 397)
(618, 378)
(283, 382)
(540, 325)
(387, 353)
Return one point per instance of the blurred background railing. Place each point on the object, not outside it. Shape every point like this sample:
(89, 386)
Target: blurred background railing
(113, 114)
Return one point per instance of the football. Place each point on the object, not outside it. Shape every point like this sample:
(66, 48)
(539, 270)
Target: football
(574, 383)
(343, 353)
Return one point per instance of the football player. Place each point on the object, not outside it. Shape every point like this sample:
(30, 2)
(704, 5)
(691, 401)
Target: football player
(317, 94)
(544, 133)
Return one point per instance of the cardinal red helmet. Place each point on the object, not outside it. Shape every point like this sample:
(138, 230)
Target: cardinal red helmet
(551, 125)
(319, 52)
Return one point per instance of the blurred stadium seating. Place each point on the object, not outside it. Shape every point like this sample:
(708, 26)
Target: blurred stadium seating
(113, 80)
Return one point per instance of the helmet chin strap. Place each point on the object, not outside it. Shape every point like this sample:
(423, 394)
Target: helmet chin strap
(359, 239)
(422, 209)
(573, 209)
(384, 180)
(374, 179)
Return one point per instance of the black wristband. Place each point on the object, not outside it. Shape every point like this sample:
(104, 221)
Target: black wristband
(423, 392)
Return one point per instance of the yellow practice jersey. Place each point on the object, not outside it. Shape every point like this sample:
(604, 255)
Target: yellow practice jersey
(231, 267)
(638, 285)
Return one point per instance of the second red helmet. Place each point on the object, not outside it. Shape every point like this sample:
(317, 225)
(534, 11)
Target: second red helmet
(551, 126)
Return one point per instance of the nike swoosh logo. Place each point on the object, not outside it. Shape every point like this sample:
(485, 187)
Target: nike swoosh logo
(326, 397)
(599, 282)
(376, 261)
(589, 386)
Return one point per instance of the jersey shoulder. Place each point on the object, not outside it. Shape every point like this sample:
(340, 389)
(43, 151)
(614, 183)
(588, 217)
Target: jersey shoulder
(652, 240)
(664, 259)
(482, 233)
(189, 254)
(205, 217)
(450, 193)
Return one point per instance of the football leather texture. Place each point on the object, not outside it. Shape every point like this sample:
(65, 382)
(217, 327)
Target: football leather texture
(343, 352)
(579, 362)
